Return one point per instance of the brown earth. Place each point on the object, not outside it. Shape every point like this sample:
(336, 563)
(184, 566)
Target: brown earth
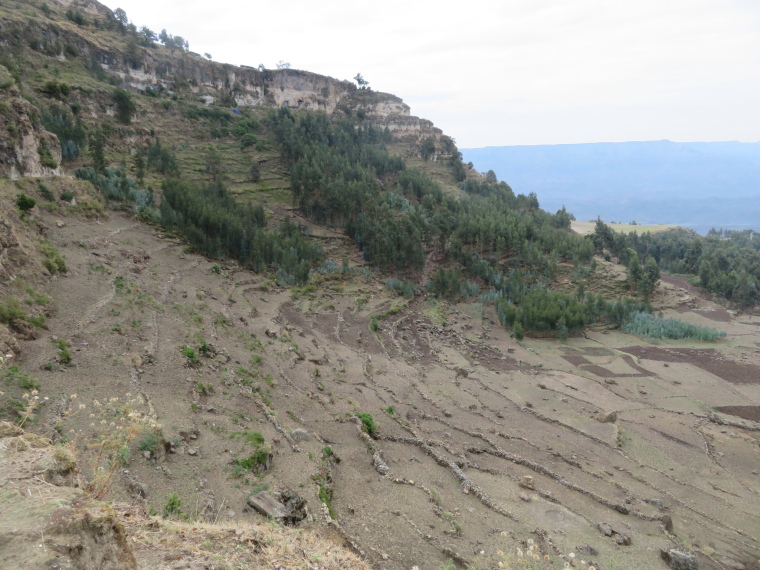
(464, 415)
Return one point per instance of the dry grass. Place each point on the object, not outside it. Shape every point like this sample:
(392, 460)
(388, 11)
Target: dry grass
(158, 543)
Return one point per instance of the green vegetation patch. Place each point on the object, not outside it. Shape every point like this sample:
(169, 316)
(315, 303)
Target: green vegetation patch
(645, 325)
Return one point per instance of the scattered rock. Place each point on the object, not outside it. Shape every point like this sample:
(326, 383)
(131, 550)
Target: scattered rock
(605, 529)
(656, 502)
(191, 450)
(135, 487)
(667, 522)
(285, 507)
(587, 550)
(299, 434)
(379, 464)
(678, 560)
(624, 540)
(610, 381)
(525, 497)
(607, 417)
(527, 482)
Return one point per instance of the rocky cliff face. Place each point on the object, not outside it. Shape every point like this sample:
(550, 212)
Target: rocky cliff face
(26, 148)
(142, 69)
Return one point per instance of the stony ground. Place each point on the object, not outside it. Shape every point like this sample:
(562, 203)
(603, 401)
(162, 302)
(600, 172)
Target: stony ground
(606, 446)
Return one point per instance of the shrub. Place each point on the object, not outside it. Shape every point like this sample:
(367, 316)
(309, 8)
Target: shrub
(46, 157)
(172, 506)
(14, 375)
(190, 354)
(38, 322)
(52, 261)
(46, 192)
(11, 310)
(149, 442)
(368, 424)
(248, 139)
(64, 356)
(256, 461)
(25, 203)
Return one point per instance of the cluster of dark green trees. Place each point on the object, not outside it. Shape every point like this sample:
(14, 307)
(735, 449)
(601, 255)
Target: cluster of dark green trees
(726, 262)
(219, 226)
(488, 238)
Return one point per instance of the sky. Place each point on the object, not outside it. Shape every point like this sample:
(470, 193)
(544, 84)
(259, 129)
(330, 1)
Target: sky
(513, 72)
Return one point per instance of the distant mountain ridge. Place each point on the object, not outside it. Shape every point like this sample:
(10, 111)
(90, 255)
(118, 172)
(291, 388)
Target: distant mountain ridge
(698, 185)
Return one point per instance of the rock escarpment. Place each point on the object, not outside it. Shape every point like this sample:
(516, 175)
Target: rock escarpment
(26, 148)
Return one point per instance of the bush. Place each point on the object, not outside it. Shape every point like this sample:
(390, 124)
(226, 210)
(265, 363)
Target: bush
(16, 376)
(46, 192)
(149, 442)
(191, 355)
(368, 424)
(249, 139)
(52, 261)
(172, 506)
(256, 461)
(25, 203)
(10, 311)
(64, 356)
(46, 157)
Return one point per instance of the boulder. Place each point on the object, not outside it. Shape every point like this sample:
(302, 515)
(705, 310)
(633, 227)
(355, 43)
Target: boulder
(285, 507)
(299, 434)
(607, 417)
(527, 482)
(605, 529)
(267, 505)
(679, 560)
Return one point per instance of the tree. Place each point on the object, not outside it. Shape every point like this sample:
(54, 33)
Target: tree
(121, 16)
(428, 147)
(562, 331)
(207, 56)
(148, 35)
(97, 150)
(140, 166)
(254, 174)
(283, 65)
(134, 54)
(125, 106)
(650, 276)
(361, 82)
(214, 163)
(634, 270)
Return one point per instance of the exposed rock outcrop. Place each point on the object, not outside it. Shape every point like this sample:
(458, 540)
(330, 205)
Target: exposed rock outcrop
(26, 148)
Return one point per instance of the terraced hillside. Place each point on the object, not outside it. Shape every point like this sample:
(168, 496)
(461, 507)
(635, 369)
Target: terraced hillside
(604, 446)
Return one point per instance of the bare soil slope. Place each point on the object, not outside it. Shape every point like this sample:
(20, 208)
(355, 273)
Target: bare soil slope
(482, 443)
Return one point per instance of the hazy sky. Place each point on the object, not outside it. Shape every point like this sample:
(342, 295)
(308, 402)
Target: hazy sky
(512, 72)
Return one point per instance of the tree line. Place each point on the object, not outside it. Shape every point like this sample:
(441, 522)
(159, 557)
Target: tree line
(724, 262)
